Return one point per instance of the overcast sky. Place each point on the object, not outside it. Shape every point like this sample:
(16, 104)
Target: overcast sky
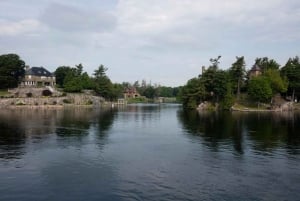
(162, 41)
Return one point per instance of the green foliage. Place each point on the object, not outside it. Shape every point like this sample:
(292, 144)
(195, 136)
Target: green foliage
(67, 101)
(237, 74)
(137, 100)
(149, 92)
(266, 64)
(72, 83)
(117, 91)
(217, 86)
(100, 72)
(215, 82)
(259, 89)
(192, 93)
(103, 85)
(211, 85)
(12, 70)
(86, 81)
(73, 79)
(278, 84)
(291, 71)
(228, 100)
(60, 74)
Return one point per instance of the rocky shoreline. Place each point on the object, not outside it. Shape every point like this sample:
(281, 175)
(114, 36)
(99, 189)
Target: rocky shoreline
(53, 102)
(34, 98)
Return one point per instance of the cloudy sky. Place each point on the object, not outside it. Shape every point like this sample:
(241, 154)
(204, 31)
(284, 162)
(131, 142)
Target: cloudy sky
(162, 41)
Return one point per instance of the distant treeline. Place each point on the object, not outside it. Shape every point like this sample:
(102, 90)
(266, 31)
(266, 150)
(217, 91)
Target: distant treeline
(224, 87)
(74, 79)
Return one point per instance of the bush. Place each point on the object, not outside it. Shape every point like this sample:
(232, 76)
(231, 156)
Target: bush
(259, 89)
(29, 95)
(46, 92)
(67, 101)
(20, 103)
(89, 102)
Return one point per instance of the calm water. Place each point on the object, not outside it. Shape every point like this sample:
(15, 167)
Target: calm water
(148, 152)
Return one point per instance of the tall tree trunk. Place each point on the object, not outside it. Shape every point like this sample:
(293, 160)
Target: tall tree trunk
(238, 90)
(293, 95)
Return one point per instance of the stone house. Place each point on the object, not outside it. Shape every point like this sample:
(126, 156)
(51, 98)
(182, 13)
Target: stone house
(131, 92)
(37, 77)
(255, 71)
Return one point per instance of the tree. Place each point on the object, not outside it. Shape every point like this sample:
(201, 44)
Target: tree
(278, 84)
(192, 93)
(73, 79)
(117, 91)
(12, 70)
(238, 73)
(259, 89)
(61, 73)
(103, 85)
(78, 69)
(292, 71)
(265, 64)
(149, 92)
(100, 72)
(215, 82)
(86, 81)
(228, 100)
(215, 62)
(73, 84)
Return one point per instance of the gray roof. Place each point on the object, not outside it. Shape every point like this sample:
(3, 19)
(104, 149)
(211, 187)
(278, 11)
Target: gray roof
(255, 67)
(38, 71)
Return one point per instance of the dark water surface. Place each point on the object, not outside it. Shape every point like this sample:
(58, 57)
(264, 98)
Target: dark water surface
(148, 152)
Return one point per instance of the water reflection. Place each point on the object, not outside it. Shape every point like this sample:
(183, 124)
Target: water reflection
(24, 126)
(147, 152)
(263, 131)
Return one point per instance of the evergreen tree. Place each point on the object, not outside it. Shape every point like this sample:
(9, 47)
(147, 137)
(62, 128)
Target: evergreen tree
(292, 71)
(238, 73)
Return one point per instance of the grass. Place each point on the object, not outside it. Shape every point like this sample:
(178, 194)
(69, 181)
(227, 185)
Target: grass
(4, 93)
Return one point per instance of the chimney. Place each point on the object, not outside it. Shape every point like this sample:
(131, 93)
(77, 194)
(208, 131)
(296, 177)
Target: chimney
(27, 67)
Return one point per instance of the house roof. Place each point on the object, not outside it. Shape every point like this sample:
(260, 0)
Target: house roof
(38, 71)
(255, 67)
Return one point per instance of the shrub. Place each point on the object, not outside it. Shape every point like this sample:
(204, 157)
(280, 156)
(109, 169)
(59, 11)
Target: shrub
(67, 101)
(89, 102)
(46, 92)
(29, 95)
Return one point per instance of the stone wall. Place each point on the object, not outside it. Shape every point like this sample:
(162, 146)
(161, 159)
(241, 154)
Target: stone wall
(70, 99)
(29, 92)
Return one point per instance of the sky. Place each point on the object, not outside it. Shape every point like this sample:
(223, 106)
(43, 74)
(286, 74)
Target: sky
(161, 41)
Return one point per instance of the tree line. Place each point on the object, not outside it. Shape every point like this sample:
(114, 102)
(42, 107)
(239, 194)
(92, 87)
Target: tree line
(75, 80)
(224, 87)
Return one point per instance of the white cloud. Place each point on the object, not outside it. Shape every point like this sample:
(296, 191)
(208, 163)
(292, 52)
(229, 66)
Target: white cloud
(187, 20)
(157, 39)
(72, 19)
(14, 28)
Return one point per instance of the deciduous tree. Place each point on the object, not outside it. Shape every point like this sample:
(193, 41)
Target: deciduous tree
(12, 70)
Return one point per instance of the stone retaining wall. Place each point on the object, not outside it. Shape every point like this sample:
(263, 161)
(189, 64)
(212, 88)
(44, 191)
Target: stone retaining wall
(70, 99)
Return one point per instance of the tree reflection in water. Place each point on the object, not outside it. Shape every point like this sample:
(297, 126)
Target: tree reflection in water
(263, 131)
(22, 126)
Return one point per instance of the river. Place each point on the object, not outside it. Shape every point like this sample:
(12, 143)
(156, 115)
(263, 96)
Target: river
(148, 152)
